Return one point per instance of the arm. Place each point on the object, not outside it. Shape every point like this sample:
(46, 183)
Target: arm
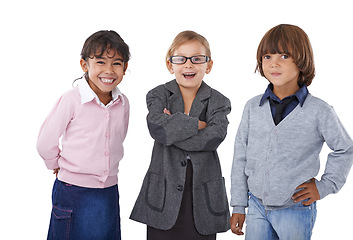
(337, 166)
(51, 130)
(339, 161)
(164, 128)
(212, 133)
(202, 124)
(239, 186)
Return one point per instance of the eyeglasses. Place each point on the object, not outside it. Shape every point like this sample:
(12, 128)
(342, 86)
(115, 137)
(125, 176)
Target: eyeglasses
(199, 59)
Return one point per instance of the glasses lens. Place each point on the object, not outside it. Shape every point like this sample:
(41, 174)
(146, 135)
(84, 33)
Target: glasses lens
(199, 59)
(178, 59)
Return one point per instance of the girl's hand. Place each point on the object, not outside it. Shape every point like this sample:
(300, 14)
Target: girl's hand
(167, 111)
(202, 124)
(309, 192)
(56, 171)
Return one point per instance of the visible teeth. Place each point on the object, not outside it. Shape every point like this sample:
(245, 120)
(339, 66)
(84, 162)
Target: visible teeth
(189, 74)
(105, 80)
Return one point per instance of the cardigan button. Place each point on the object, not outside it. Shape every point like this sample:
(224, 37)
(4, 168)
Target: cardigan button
(180, 188)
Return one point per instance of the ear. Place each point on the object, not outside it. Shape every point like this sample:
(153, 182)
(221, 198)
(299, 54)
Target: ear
(170, 67)
(125, 66)
(84, 65)
(209, 66)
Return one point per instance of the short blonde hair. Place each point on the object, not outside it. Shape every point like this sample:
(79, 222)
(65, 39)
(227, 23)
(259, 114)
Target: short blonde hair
(184, 37)
(293, 41)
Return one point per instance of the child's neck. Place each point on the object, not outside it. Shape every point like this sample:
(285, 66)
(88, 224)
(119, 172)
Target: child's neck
(188, 97)
(282, 92)
(105, 99)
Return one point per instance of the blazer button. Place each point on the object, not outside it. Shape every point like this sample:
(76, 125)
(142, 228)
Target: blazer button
(180, 188)
(183, 163)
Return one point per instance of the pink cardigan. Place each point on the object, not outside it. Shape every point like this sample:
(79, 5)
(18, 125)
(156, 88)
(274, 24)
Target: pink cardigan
(92, 138)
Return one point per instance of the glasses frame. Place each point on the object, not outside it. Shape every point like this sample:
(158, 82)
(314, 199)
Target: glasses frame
(186, 59)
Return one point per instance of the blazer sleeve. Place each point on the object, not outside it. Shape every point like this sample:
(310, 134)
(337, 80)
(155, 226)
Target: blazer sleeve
(51, 131)
(209, 138)
(167, 129)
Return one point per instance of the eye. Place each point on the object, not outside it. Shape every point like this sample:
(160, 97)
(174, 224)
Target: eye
(285, 56)
(117, 64)
(100, 62)
(267, 57)
(197, 59)
(178, 59)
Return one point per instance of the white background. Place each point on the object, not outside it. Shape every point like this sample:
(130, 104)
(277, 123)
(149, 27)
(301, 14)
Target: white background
(41, 43)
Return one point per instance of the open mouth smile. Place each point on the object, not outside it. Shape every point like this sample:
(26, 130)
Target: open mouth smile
(189, 75)
(107, 80)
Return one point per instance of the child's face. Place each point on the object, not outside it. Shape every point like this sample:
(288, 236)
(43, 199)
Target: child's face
(189, 75)
(105, 72)
(280, 70)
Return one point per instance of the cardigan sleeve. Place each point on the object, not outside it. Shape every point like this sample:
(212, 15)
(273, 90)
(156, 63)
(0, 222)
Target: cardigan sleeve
(52, 129)
(167, 129)
(239, 186)
(339, 161)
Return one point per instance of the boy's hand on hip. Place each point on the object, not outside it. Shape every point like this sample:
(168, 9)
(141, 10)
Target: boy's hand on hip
(236, 223)
(309, 192)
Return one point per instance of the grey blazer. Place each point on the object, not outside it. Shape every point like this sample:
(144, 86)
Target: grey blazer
(178, 139)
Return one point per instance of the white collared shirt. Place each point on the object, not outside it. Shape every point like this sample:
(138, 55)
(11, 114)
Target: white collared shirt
(87, 94)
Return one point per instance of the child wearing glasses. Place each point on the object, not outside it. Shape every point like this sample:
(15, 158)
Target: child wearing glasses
(183, 194)
(92, 120)
(277, 146)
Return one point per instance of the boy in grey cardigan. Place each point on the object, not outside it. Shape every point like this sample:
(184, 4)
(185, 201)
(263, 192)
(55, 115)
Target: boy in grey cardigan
(277, 147)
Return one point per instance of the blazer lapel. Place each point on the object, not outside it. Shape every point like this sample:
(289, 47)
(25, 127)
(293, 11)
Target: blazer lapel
(199, 103)
(175, 100)
(176, 103)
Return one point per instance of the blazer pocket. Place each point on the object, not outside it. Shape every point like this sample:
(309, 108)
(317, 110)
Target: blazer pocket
(216, 197)
(156, 191)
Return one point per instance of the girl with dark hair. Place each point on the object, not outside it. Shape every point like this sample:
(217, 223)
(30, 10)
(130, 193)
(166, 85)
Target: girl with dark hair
(92, 120)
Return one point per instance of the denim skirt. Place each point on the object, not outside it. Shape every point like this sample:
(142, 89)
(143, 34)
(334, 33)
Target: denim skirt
(84, 213)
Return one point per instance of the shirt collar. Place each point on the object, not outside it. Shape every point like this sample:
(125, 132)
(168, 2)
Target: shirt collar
(87, 94)
(301, 94)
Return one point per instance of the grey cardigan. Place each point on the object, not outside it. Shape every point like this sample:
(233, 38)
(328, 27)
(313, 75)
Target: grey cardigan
(177, 139)
(271, 161)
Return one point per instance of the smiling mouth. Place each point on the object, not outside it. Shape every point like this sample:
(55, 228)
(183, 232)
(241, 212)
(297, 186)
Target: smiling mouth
(107, 80)
(189, 75)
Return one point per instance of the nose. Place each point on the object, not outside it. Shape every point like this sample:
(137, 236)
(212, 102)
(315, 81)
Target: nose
(108, 68)
(188, 63)
(274, 62)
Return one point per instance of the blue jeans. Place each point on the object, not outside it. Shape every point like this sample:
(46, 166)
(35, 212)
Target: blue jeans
(294, 223)
(84, 213)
